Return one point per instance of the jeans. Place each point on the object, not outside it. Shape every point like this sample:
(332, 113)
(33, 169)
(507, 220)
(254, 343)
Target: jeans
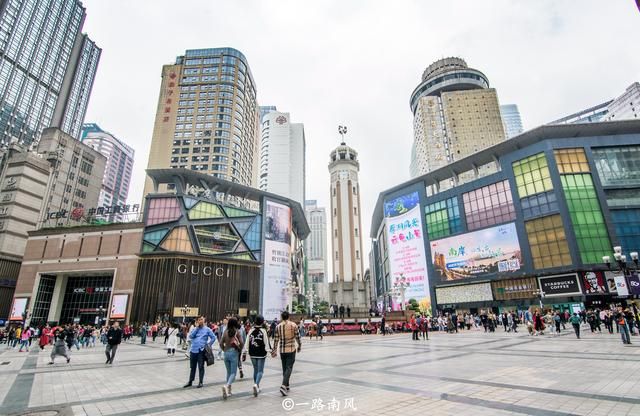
(624, 332)
(196, 358)
(231, 364)
(576, 327)
(110, 352)
(258, 369)
(24, 343)
(288, 358)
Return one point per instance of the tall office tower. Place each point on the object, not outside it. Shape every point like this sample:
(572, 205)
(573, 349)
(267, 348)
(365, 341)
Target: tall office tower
(455, 115)
(207, 117)
(346, 227)
(511, 120)
(47, 68)
(282, 156)
(117, 173)
(316, 248)
(626, 106)
(589, 115)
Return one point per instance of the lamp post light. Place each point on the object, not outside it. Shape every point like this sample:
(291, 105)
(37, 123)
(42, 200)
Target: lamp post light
(185, 310)
(290, 288)
(621, 260)
(540, 294)
(400, 287)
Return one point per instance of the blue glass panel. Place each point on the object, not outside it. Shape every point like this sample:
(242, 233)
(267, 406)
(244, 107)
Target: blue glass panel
(189, 202)
(155, 237)
(253, 237)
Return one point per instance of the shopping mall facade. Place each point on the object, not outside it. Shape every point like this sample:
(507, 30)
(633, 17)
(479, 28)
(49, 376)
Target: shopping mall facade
(534, 232)
(208, 246)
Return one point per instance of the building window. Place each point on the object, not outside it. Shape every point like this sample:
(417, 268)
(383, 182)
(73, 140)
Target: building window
(532, 175)
(335, 233)
(336, 255)
(163, 210)
(355, 210)
(572, 161)
(356, 231)
(443, 218)
(489, 205)
(335, 212)
(548, 242)
(357, 254)
(586, 216)
(618, 165)
(627, 226)
(540, 204)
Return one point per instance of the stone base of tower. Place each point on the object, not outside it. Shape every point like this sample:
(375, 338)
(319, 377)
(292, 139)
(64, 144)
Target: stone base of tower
(353, 294)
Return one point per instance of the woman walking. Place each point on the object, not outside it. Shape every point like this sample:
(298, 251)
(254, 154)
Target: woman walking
(172, 339)
(256, 346)
(44, 337)
(231, 344)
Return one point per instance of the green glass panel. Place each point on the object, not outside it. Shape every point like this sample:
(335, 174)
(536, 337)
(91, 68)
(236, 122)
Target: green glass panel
(236, 212)
(204, 210)
(147, 248)
(244, 256)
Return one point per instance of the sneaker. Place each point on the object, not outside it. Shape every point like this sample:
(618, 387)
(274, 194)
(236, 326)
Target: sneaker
(255, 390)
(68, 359)
(283, 390)
(287, 388)
(50, 363)
(189, 384)
(225, 393)
(241, 373)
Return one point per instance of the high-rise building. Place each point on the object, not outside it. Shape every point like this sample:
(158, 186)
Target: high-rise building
(282, 156)
(119, 168)
(346, 226)
(316, 248)
(589, 115)
(207, 117)
(47, 68)
(626, 106)
(456, 114)
(511, 120)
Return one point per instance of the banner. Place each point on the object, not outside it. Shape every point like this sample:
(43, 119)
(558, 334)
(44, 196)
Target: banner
(277, 263)
(634, 284)
(119, 307)
(18, 308)
(621, 286)
(594, 283)
(405, 244)
(563, 285)
(480, 292)
(478, 253)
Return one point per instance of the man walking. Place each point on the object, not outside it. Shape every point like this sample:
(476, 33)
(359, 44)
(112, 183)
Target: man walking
(575, 321)
(114, 337)
(341, 311)
(621, 320)
(287, 342)
(200, 337)
(382, 325)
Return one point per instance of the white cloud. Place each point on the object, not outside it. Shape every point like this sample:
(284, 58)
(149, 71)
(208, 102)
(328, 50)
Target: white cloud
(357, 62)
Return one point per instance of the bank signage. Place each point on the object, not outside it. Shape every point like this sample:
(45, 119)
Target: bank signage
(79, 213)
(561, 285)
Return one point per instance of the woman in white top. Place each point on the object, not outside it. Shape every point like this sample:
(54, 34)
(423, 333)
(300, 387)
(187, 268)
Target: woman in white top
(172, 341)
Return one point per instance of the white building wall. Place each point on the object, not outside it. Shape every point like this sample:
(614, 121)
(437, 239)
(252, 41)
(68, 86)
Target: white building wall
(626, 106)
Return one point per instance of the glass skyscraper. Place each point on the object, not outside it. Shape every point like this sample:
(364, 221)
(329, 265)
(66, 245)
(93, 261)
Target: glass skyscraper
(47, 68)
(511, 120)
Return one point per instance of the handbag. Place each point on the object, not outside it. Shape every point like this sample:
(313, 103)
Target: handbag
(208, 355)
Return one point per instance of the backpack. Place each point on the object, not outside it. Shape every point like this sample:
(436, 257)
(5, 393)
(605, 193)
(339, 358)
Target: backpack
(257, 346)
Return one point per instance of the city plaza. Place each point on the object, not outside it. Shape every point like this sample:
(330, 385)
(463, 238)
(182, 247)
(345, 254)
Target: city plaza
(470, 373)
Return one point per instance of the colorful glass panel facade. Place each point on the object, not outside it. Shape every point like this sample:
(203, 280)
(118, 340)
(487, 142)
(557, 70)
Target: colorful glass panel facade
(489, 205)
(532, 175)
(548, 242)
(163, 210)
(443, 218)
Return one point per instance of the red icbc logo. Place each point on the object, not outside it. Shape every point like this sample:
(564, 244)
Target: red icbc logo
(281, 120)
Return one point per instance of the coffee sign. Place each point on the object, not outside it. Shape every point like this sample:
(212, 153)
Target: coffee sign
(563, 285)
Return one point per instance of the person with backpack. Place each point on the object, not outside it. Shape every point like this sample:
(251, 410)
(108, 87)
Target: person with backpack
(256, 346)
(232, 344)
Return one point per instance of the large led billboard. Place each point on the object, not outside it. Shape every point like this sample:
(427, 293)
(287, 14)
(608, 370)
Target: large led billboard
(405, 242)
(479, 253)
(277, 263)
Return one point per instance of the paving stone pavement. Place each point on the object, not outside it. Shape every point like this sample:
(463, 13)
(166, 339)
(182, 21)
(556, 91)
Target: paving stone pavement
(470, 373)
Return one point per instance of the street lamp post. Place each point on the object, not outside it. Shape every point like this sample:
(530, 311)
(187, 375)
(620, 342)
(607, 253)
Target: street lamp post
(185, 310)
(290, 288)
(400, 287)
(621, 259)
(540, 294)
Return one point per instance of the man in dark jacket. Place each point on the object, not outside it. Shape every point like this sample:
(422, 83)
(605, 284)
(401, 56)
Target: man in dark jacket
(114, 337)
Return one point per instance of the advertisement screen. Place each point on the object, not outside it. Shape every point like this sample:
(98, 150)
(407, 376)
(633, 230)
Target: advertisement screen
(277, 265)
(476, 254)
(119, 307)
(19, 307)
(594, 283)
(405, 244)
(480, 292)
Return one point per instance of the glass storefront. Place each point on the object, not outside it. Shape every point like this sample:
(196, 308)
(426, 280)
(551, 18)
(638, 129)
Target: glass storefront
(83, 296)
